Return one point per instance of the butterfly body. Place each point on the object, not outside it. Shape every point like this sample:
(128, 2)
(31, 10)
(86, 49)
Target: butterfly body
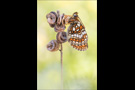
(77, 36)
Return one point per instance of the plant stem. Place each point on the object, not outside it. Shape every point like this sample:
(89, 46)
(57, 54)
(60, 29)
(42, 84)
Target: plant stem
(61, 67)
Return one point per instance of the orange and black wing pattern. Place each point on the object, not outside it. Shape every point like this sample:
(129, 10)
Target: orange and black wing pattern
(77, 36)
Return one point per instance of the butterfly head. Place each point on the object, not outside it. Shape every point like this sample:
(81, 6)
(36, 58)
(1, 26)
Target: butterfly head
(75, 14)
(74, 17)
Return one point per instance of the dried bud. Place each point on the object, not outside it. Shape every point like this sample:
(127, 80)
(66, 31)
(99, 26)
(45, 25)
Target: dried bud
(59, 28)
(59, 18)
(53, 45)
(57, 21)
(51, 18)
(52, 25)
(61, 37)
(63, 20)
(66, 19)
(58, 13)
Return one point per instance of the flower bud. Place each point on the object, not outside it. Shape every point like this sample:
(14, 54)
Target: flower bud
(53, 45)
(51, 18)
(61, 37)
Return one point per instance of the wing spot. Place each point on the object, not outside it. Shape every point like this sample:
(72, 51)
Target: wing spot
(73, 29)
(81, 27)
(78, 24)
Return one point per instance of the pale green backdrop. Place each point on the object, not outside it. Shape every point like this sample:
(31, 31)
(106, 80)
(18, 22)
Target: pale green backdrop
(80, 67)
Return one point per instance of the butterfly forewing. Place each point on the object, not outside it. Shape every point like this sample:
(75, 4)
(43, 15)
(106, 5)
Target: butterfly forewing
(77, 36)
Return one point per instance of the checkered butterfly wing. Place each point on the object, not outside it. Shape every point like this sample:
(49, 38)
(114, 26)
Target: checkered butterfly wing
(77, 36)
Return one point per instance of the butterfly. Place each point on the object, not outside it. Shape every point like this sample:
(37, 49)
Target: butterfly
(77, 36)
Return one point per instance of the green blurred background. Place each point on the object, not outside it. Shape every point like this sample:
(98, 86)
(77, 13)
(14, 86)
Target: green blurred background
(79, 67)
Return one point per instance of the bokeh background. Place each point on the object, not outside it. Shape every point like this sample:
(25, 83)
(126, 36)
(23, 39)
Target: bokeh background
(79, 67)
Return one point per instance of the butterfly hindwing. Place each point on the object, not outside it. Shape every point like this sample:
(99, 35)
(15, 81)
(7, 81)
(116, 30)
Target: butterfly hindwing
(77, 36)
